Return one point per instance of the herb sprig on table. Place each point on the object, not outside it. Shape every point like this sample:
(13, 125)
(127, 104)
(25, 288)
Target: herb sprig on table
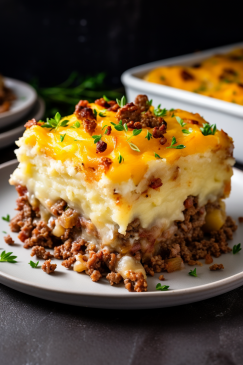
(7, 257)
(33, 264)
(193, 272)
(162, 287)
(236, 248)
(7, 218)
(62, 98)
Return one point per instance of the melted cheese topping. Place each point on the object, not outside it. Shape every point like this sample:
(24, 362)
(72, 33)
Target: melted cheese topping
(220, 77)
(79, 148)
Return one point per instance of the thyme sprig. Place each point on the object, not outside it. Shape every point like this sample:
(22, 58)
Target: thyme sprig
(193, 272)
(178, 147)
(208, 129)
(160, 112)
(7, 257)
(162, 287)
(54, 123)
(236, 248)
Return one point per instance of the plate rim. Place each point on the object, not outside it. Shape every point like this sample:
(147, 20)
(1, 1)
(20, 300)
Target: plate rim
(26, 105)
(219, 284)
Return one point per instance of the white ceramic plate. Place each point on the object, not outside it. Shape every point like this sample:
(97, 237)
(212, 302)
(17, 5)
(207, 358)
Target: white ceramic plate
(9, 136)
(69, 287)
(25, 98)
(228, 116)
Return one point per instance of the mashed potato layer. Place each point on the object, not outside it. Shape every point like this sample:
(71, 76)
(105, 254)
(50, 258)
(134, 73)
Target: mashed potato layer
(112, 205)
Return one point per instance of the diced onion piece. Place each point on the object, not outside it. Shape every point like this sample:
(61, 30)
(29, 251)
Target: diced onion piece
(215, 218)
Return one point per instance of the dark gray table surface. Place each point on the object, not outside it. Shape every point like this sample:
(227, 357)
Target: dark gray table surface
(34, 331)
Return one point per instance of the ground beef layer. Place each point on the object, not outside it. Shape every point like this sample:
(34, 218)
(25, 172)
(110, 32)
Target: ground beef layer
(185, 242)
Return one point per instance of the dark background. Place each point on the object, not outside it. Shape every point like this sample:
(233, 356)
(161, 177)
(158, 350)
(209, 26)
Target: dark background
(49, 39)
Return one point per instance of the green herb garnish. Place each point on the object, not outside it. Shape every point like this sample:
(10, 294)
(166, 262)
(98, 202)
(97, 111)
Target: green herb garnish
(33, 264)
(162, 287)
(6, 257)
(119, 127)
(7, 218)
(105, 98)
(102, 113)
(97, 138)
(135, 132)
(173, 115)
(160, 112)
(95, 113)
(208, 129)
(134, 147)
(55, 122)
(173, 142)
(186, 131)
(193, 272)
(125, 127)
(171, 110)
(236, 248)
(180, 121)
(104, 127)
(120, 158)
(76, 125)
(62, 136)
(149, 135)
(157, 156)
(149, 102)
(4, 232)
(121, 102)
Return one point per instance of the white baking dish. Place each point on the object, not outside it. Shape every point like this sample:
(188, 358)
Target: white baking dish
(227, 116)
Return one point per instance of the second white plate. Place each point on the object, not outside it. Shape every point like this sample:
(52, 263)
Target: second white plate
(67, 286)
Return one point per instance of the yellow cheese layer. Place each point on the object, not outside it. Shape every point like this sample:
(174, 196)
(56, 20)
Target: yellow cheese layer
(79, 147)
(220, 77)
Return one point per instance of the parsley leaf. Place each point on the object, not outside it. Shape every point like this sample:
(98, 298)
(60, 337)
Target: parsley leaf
(97, 138)
(173, 142)
(149, 102)
(180, 121)
(148, 135)
(34, 265)
(173, 115)
(119, 127)
(193, 272)
(134, 147)
(236, 248)
(171, 110)
(54, 123)
(62, 136)
(105, 98)
(186, 131)
(6, 257)
(104, 127)
(208, 129)
(125, 127)
(157, 156)
(7, 218)
(121, 102)
(160, 112)
(135, 132)
(95, 113)
(76, 125)
(162, 287)
(4, 232)
(120, 158)
(102, 113)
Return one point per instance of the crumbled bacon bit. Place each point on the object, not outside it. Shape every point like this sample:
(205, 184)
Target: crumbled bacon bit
(48, 267)
(190, 121)
(155, 183)
(8, 239)
(30, 123)
(163, 141)
(89, 126)
(85, 113)
(216, 267)
(157, 133)
(81, 104)
(102, 103)
(101, 146)
(128, 113)
(108, 130)
(142, 102)
(105, 163)
(113, 106)
(208, 259)
(186, 75)
(240, 219)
